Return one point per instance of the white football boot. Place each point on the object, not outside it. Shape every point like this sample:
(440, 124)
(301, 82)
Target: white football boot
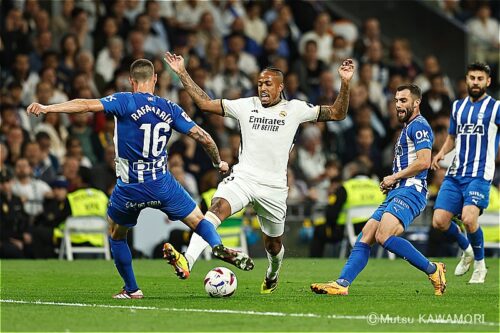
(465, 262)
(479, 273)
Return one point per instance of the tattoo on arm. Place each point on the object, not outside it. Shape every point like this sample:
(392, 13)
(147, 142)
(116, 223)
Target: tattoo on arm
(196, 93)
(200, 135)
(337, 111)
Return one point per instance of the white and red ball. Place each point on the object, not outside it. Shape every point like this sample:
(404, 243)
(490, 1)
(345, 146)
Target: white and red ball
(220, 282)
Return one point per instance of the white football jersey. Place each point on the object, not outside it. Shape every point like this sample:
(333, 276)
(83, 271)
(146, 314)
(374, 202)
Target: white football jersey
(267, 136)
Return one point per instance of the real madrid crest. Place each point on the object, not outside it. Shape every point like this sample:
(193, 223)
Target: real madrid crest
(283, 114)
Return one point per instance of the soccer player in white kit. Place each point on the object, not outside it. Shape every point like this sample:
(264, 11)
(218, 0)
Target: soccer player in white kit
(268, 124)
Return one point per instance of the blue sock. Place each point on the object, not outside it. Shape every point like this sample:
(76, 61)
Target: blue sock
(207, 231)
(402, 248)
(355, 264)
(454, 232)
(477, 241)
(123, 262)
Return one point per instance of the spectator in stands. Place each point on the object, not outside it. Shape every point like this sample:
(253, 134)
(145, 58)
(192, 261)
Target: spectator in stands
(207, 30)
(48, 74)
(10, 119)
(51, 124)
(13, 220)
(108, 31)
(326, 89)
(246, 62)
(309, 68)
(14, 36)
(61, 21)
(43, 140)
(292, 87)
(15, 141)
(310, 155)
(484, 27)
(159, 24)
(371, 34)
(69, 48)
(402, 59)
(135, 48)
(56, 211)
(74, 150)
(79, 26)
(270, 50)
(255, 26)
(436, 101)
(103, 173)
(85, 64)
(109, 58)
(321, 35)
(186, 179)
(214, 56)
(41, 44)
(22, 73)
(357, 191)
(42, 168)
(232, 78)
(90, 145)
(432, 67)
(375, 89)
(152, 44)
(31, 191)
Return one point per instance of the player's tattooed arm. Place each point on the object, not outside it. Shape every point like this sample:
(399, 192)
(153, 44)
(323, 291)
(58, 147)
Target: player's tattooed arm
(200, 97)
(338, 111)
(200, 135)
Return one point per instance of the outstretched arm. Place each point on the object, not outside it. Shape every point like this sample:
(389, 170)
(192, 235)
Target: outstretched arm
(73, 106)
(202, 100)
(197, 133)
(338, 110)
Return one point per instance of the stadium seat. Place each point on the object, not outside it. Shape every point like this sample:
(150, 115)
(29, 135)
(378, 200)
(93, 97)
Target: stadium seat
(349, 235)
(233, 236)
(94, 225)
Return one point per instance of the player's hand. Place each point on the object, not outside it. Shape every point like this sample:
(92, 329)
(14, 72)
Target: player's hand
(388, 183)
(223, 167)
(346, 70)
(36, 109)
(176, 62)
(435, 161)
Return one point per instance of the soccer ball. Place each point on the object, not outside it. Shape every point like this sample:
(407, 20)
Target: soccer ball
(220, 282)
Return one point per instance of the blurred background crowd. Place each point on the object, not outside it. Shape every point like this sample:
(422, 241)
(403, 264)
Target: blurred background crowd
(52, 51)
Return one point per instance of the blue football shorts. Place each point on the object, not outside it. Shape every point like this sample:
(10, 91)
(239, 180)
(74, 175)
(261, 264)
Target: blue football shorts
(405, 203)
(456, 192)
(166, 194)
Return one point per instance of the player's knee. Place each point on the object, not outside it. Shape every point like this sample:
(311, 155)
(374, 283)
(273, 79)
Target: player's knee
(439, 222)
(273, 247)
(470, 222)
(381, 236)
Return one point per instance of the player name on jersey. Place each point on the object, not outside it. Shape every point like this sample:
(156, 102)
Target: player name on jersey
(266, 124)
(145, 109)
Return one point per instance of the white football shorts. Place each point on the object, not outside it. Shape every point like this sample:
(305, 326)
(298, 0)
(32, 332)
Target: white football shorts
(269, 202)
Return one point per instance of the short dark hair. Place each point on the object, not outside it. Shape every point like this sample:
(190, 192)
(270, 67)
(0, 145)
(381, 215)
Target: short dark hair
(413, 88)
(141, 70)
(275, 70)
(479, 66)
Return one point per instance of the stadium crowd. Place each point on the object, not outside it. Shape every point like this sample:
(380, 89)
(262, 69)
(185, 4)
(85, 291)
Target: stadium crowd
(54, 51)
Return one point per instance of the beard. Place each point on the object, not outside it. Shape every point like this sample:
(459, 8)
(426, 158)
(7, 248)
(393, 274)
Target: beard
(477, 93)
(408, 113)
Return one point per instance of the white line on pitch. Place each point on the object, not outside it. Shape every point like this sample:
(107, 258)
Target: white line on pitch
(226, 311)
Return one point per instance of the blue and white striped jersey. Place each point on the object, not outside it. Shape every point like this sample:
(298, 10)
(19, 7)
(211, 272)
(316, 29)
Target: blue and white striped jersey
(475, 127)
(415, 135)
(143, 125)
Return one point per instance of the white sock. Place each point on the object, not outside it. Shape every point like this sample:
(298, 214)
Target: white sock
(197, 245)
(479, 264)
(469, 251)
(274, 263)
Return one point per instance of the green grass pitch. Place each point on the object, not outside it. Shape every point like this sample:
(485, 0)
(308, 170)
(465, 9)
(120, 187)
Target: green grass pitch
(387, 296)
